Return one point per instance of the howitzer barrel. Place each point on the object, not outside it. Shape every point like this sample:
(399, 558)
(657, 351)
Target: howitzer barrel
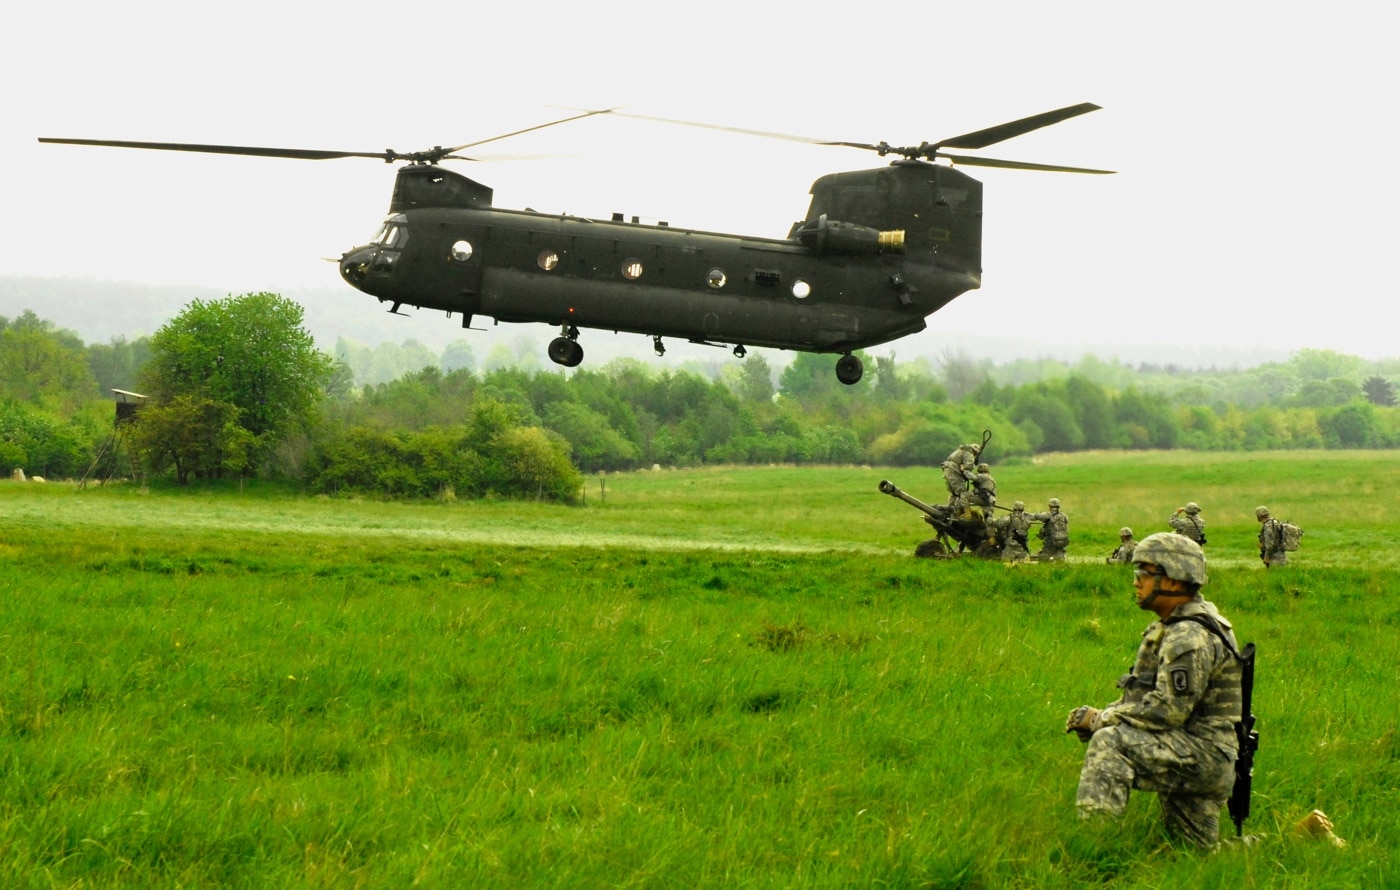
(892, 490)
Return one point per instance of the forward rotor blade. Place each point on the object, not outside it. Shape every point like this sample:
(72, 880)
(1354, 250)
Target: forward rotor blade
(564, 120)
(973, 161)
(431, 156)
(298, 153)
(1002, 132)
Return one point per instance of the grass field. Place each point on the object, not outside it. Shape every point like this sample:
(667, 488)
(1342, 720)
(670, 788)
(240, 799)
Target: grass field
(720, 677)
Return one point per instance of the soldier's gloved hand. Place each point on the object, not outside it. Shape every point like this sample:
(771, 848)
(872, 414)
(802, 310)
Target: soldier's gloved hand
(1082, 722)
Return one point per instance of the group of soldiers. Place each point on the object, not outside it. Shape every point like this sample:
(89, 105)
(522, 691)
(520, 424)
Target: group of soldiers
(1188, 522)
(973, 498)
(972, 502)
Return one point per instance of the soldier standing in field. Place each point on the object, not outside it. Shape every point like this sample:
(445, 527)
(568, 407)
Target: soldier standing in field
(1173, 730)
(1054, 533)
(958, 472)
(1270, 539)
(1123, 553)
(1187, 521)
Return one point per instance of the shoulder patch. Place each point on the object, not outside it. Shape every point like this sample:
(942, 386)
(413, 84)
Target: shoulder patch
(1181, 681)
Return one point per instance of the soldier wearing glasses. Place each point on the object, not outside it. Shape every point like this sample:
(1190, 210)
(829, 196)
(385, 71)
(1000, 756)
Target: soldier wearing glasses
(1173, 730)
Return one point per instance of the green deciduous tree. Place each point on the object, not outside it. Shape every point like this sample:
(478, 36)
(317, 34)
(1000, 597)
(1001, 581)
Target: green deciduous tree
(118, 364)
(196, 436)
(594, 443)
(43, 365)
(250, 352)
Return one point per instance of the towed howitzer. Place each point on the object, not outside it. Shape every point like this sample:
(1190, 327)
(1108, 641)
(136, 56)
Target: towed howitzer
(969, 531)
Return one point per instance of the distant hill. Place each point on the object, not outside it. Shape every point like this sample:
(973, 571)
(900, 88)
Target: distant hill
(97, 311)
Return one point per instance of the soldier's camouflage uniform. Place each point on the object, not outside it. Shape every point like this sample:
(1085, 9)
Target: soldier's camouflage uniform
(1271, 543)
(1054, 535)
(1123, 553)
(1018, 526)
(958, 470)
(1173, 731)
(1189, 524)
(984, 491)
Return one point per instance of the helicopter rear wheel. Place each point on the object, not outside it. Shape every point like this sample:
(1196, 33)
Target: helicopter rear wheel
(849, 369)
(566, 352)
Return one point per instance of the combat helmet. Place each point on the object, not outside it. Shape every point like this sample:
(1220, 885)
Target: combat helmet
(1193, 507)
(1125, 532)
(1055, 502)
(984, 468)
(1019, 506)
(1180, 557)
(1261, 512)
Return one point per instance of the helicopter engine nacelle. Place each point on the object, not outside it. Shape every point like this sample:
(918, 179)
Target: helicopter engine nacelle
(833, 236)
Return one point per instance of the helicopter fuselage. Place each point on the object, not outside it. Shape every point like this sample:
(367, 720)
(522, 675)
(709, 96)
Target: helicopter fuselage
(879, 251)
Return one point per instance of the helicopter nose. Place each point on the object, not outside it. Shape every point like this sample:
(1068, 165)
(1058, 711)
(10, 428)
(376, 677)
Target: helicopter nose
(354, 264)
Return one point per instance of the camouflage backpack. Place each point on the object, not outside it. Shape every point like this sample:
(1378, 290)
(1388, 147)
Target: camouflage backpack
(1290, 534)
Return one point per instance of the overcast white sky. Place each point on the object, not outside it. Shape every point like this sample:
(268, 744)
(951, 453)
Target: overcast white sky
(1254, 207)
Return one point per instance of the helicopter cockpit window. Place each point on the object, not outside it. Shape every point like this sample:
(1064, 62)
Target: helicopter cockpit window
(801, 289)
(390, 235)
(717, 279)
(631, 269)
(462, 251)
(548, 260)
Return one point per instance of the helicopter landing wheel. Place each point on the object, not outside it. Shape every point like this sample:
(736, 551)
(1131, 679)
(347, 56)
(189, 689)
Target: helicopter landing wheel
(849, 369)
(566, 352)
(740, 351)
(658, 345)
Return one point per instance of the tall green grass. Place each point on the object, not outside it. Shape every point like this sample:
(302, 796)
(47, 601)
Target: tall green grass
(702, 678)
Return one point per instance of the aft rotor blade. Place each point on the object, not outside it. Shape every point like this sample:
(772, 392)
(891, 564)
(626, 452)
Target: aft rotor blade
(978, 139)
(766, 134)
(1002, 132)
(299, 153)
(973, 161)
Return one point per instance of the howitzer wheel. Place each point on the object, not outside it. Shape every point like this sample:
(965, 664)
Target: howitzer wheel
(932, 549)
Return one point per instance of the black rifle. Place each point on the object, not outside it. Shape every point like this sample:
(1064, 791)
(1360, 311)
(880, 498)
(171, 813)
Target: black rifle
(1248, 738)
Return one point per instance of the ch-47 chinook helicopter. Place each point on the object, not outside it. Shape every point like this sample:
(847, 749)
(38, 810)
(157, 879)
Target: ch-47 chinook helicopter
(879, 251)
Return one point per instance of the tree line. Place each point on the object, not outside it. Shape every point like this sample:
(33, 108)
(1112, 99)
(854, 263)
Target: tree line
(237, 388)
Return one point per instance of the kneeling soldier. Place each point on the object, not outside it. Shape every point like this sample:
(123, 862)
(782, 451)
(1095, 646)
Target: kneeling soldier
(1173, 730)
